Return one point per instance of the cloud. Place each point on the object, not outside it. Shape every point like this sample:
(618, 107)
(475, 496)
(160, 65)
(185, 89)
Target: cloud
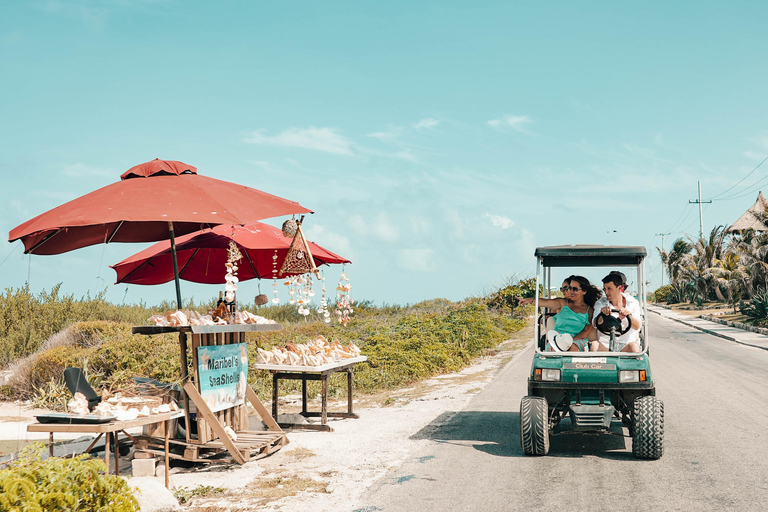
(334, 242)
(499, 221)
(417, 260)
(406, 155)
(388, 135)
(515, 122)
(752, 155)
(79, 170)
(380, 227)
(318, 139)
(527, 244)
(426, 124)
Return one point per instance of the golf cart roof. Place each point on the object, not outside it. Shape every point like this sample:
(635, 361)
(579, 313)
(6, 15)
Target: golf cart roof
(590, 255)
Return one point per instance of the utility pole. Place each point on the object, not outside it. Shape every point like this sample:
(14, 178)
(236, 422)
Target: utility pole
(701, 216)
(663, 268)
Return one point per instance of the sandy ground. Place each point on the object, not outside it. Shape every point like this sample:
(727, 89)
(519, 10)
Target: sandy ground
(318, 471)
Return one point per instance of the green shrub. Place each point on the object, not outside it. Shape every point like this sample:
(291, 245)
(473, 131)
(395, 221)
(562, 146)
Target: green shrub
(73, 484)
(403, 344)
(505, 299)
(26, 320)
(757, 307)
(662, 294)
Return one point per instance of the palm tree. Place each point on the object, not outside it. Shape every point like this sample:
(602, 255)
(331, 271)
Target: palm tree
(703, 265)
(675, 259)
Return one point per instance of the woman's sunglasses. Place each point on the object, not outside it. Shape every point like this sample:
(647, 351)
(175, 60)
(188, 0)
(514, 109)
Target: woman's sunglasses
(570, 289)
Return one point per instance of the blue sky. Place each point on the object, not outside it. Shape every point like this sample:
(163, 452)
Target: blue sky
(438, 142)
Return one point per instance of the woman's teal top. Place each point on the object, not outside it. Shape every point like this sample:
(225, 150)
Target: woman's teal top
(568, 321)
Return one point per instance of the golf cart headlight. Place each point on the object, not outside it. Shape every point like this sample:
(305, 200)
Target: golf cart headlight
(548, 374)
(630, 376)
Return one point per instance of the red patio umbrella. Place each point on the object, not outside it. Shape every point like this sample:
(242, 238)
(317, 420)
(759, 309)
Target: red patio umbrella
(152, 201)
(202, 256)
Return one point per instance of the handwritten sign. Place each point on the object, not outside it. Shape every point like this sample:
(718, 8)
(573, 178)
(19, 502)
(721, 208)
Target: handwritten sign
(223, 374)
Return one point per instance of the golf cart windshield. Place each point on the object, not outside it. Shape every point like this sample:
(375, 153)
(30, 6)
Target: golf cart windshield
(568, 260)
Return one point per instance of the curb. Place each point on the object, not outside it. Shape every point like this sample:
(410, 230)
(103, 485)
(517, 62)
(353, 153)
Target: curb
(708, 331)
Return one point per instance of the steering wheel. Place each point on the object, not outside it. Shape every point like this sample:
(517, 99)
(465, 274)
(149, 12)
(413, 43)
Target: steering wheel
(610, 322)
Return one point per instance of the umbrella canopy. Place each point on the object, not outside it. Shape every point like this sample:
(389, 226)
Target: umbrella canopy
(202, 256)
(141, 205)
(152, 201)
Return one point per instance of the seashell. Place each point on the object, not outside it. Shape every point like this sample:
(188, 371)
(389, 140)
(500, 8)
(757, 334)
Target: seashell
(311, 293)
(275, 300)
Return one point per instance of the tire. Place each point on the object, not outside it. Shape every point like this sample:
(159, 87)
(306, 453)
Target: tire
(648, 428)
(534, 425)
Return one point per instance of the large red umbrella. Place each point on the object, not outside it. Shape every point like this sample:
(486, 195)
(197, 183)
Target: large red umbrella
(202, 256)
(152, 201)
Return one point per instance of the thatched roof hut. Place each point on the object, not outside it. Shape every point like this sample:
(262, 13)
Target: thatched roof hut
(751, 219)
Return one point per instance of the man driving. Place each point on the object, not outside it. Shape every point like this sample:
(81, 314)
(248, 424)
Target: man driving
(628, 311)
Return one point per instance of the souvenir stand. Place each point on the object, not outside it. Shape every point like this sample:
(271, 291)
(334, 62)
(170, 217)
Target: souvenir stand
(213, 421)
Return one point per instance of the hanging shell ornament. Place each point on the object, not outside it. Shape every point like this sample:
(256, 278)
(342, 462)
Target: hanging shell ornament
(290, 227)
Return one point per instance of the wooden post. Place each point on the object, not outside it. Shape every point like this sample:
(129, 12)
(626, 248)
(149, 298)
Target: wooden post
(275, 384)
(349, 391)
(324, 400)
(185, 378)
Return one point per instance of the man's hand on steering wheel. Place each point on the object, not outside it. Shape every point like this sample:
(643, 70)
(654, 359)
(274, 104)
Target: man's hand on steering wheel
(605, 329)
(623, 312)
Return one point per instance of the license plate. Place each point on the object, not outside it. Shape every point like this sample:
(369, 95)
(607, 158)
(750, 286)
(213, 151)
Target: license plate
(592, 360)
(589, 366)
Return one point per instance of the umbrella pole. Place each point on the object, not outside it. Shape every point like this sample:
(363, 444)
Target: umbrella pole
(175, 265)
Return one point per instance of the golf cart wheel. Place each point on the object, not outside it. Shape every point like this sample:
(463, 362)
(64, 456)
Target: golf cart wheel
(648, 428)
(534, 425)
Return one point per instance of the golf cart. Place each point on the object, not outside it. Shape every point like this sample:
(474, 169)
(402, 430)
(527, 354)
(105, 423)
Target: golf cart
(592, 389)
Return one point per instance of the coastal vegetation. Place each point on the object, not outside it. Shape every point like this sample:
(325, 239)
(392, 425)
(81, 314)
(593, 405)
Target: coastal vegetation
(41, 335)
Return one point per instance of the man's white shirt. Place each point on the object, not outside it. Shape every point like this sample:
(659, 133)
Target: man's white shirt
(634, 308)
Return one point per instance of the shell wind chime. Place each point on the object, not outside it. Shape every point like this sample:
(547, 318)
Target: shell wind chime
(233, 256)
(343, 299)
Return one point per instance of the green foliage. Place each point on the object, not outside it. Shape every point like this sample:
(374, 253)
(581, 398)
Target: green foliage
(66, 484)
(505, 299)
(184, 494)
(26, 320)
(110, 357)
(757, 307)
(662, 294)
(403, 343)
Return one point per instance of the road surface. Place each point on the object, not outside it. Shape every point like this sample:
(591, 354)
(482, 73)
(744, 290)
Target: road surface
(715, 395)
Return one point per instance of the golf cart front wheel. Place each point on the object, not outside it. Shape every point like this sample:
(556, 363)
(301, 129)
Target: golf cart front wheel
(534, 425)
(648, 428)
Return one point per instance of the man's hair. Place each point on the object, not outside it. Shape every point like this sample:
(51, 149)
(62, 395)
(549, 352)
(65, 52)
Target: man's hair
(614, 278)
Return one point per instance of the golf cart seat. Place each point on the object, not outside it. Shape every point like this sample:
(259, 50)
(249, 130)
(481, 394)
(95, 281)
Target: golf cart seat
(543, 329)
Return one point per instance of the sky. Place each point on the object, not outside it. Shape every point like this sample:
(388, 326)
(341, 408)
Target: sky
(438, 143)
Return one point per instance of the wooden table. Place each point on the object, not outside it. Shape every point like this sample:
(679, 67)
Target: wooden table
(305, 373)
(110, 429)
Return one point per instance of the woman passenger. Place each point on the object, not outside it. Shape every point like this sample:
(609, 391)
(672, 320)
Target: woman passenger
(574, 311)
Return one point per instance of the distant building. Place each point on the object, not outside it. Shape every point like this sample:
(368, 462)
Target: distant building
(751, 219)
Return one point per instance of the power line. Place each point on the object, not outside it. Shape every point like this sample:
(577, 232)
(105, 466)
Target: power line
(737, 183)
(680, 216)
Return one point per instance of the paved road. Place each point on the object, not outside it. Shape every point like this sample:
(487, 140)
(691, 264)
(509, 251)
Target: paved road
(715, 394)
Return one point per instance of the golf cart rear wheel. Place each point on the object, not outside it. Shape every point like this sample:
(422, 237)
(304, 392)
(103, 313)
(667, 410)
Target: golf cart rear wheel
(534, 425)
(648, 428)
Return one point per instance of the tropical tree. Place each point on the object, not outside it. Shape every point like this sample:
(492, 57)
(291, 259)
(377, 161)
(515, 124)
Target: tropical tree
(675, 259)
(702, 267)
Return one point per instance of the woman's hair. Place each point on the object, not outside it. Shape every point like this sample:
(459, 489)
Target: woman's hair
(592, 293)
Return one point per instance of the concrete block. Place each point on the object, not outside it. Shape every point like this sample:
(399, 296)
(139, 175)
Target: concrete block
(143, 467)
